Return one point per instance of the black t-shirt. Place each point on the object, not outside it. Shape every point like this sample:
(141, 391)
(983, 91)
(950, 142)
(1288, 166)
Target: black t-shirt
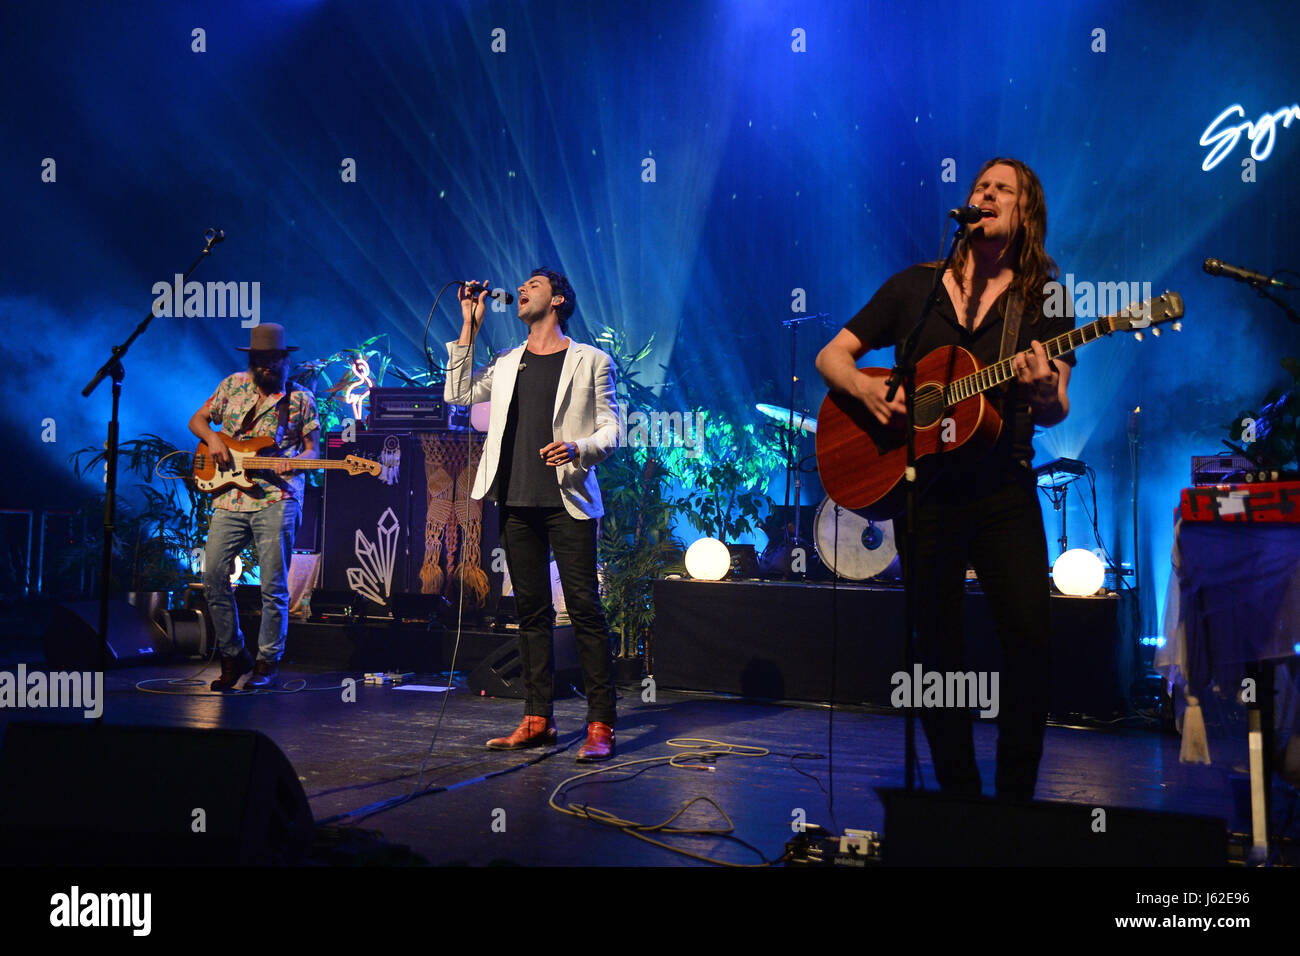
(893, 310)
(524, 480)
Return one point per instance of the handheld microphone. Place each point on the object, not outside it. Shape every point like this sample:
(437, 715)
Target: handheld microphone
(499, 294)
(1217, 268)
(968, 216)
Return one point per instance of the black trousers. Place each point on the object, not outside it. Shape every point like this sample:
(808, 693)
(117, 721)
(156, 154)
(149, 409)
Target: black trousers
(527, 534)
(988, 517)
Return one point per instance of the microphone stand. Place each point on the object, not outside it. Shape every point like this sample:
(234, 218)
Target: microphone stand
(793, 441)
(113, 368)
(904, 374)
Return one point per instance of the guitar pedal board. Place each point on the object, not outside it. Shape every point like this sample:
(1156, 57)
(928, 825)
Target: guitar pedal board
(814, 846)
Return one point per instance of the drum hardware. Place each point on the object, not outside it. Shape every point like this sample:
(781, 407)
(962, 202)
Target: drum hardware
(783, 558)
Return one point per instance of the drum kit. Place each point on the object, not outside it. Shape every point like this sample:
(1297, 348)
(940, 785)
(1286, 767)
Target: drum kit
(846, 544)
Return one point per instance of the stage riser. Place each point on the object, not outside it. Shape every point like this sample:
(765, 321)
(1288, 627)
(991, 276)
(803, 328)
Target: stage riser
(773, 640)
(930, 829)
(384, 646)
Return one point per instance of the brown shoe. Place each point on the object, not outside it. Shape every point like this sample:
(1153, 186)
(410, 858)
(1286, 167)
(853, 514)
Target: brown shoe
(531, 732)
(232, 668)
(599, 744)
(266, 675)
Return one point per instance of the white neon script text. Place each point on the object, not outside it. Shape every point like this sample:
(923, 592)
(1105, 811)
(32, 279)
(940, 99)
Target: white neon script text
(1261, 134)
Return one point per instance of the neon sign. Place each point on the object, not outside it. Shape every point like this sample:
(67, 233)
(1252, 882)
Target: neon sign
(1261, 134)
(359, 390)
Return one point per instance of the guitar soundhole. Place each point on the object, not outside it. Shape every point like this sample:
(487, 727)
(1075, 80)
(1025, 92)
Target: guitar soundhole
(929, 405)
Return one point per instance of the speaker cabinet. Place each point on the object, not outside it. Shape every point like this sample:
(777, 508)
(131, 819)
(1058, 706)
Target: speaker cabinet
(98, 795)
(366, 531)
(313, 511)
(501, 673)
(72, 641)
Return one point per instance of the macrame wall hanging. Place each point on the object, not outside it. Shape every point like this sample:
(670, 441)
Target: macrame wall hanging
(449, 478)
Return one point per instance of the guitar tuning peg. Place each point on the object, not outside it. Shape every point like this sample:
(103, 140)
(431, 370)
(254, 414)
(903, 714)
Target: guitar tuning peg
(1177, 326)
(1138, 336)
(1156, 332)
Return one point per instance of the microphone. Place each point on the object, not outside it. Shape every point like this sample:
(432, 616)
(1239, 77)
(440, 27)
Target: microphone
(968, 216)
(215, 235)
(1217, 268)
(501, 296)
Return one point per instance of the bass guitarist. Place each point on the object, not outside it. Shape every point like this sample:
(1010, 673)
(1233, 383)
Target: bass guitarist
(985, 512)
(252, 404)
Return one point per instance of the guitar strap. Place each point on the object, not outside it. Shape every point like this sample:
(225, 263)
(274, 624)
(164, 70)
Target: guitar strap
(1010, 336)
(1011, 325)
(282, 429)
(282, 415)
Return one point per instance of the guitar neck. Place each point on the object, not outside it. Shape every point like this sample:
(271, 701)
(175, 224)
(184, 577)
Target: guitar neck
(251, 463)
(999, 372)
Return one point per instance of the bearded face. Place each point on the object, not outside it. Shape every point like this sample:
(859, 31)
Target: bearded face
(270, 370)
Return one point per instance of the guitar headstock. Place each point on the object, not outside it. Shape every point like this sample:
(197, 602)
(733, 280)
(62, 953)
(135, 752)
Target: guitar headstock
(359, 466)
(1150, 314)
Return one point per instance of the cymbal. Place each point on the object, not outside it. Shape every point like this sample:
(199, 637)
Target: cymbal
(784, 415)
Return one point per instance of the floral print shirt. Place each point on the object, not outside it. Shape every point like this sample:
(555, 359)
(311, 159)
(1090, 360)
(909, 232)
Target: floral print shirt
(230, 406)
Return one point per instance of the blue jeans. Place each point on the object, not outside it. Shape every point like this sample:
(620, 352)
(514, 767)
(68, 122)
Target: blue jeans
(273, 530)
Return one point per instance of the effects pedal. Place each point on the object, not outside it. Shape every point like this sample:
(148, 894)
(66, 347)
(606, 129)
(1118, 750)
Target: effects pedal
(816, 847)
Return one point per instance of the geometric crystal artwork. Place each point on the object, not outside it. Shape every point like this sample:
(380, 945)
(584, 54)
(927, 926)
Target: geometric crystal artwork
(375, 576)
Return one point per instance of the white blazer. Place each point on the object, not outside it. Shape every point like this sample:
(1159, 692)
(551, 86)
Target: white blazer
(586, 413)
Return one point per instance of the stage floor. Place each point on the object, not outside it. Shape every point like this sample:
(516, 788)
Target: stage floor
(352, 754)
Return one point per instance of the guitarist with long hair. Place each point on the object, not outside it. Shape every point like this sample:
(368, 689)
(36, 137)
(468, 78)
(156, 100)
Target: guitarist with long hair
(983, 511)
(252, 404)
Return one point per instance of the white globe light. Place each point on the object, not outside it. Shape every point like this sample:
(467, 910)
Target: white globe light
(708, 560)
(1078, 572)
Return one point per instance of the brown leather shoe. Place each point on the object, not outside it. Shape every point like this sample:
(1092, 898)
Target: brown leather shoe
(232, 668)
(531, 732)
(599, 744)
(266, 674)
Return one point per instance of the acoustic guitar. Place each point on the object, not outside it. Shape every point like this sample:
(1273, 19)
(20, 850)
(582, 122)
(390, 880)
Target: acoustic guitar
(862, 462)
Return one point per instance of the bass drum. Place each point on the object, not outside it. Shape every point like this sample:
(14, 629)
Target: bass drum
(851, 546)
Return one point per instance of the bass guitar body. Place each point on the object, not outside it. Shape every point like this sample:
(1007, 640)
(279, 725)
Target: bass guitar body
(862, 463)
(208, 477)
(246, 456)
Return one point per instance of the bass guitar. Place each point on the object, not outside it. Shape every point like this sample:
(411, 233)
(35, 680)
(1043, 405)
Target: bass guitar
(245, 458)
(862, 462)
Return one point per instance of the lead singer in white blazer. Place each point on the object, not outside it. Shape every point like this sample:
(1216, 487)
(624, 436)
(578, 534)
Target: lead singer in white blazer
(553, 418)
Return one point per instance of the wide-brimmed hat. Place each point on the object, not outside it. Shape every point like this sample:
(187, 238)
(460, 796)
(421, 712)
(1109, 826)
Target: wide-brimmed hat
(267, 337)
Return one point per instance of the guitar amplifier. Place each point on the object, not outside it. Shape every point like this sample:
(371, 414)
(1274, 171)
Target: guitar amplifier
(1218, 469)
(1272, 502)
(407, 410)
